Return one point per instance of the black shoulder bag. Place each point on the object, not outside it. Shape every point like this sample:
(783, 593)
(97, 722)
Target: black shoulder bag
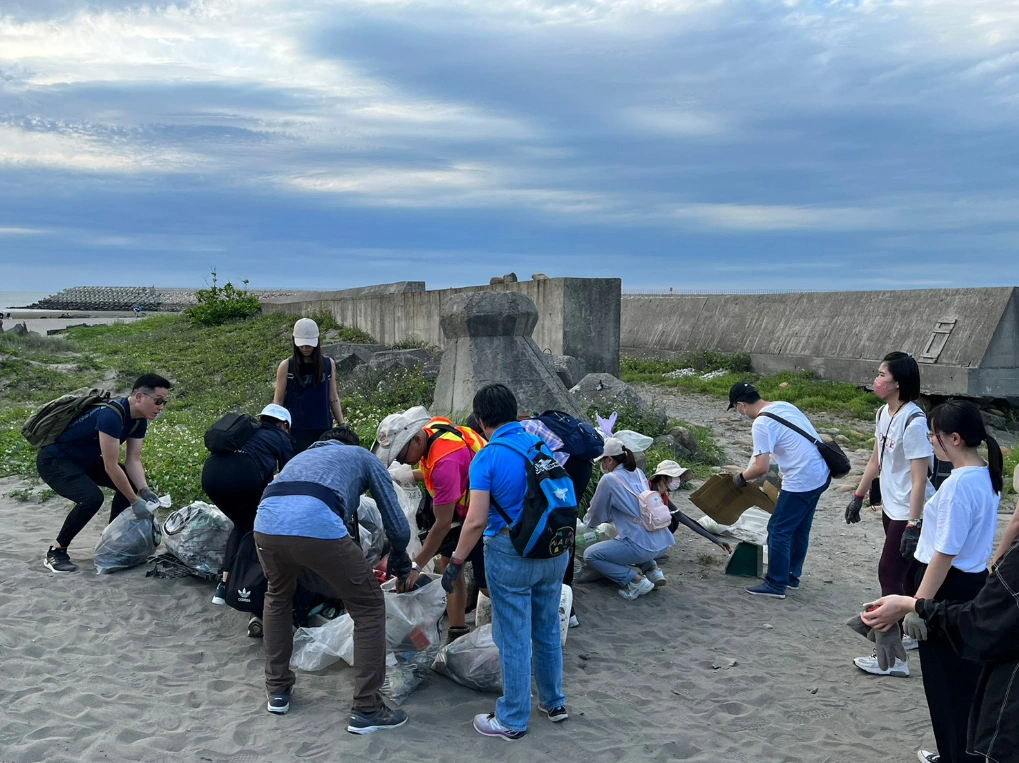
(834, 457)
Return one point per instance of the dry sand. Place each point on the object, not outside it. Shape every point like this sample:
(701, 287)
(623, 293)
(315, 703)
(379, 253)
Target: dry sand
(127, 668)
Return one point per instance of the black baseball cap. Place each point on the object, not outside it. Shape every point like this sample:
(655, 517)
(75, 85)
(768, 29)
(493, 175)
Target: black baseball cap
(742, 393)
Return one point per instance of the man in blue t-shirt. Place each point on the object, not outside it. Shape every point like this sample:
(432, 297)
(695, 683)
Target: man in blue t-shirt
(86, 457)
(525, 593)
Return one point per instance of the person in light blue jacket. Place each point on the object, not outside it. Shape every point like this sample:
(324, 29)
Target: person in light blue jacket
(616, 501)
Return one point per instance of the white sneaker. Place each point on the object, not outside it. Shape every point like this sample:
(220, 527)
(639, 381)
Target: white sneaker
(909, 643)
(870, 665)
(635, 589)
(656, 576)
(927, 756)
(574, 622)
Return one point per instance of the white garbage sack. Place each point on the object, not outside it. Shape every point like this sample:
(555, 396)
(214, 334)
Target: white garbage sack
(197, 535)
(373, 535)
(412, 630)
(127, 541)
(472, 660)
(752, 527)
(635, 441)
(318, 648)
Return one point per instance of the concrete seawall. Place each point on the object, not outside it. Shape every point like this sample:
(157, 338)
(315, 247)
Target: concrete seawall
(576, 316)
(966, 340)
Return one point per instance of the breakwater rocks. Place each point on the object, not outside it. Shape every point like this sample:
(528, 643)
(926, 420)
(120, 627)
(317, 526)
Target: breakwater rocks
(122, 298)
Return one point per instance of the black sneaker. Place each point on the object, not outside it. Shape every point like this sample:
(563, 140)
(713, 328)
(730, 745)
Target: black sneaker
(369, 723)
(219, 598)
(555, 714)
(279, 702)
(255, 627)
(57, 560)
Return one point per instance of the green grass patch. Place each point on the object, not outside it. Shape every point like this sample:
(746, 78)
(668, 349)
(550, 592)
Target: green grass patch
(1011, 461)
(214, 369)
(803, 389)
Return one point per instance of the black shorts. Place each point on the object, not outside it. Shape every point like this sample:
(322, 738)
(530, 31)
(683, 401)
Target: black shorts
(476, 556)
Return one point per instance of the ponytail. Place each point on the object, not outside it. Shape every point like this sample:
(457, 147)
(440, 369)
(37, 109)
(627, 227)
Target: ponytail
(963, 418)
(995, 464)
(628, 460)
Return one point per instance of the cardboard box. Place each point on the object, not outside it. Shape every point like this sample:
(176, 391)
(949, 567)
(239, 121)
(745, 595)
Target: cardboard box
(721, 500)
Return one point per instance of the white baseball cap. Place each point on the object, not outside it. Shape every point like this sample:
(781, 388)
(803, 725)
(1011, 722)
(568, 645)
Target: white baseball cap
(306, 333)
(277, 412)
(613, 447)
(396, 430)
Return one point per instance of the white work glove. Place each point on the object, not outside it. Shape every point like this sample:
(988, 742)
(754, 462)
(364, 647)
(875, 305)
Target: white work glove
(402, 474)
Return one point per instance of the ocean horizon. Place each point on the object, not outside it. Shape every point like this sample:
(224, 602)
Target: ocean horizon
(10, 300)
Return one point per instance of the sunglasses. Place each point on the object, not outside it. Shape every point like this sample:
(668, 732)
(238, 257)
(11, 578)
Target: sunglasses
(159, 401)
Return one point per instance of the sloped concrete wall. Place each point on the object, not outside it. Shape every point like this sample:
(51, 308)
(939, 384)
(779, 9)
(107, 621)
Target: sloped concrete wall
(841, 335)
(576, 316)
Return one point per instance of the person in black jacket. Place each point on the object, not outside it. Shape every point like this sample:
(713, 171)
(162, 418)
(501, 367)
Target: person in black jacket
(235, 481)
(984, 630)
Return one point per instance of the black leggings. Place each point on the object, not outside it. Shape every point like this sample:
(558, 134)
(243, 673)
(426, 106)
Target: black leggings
(949, 681)
(232, 482)
(81, 485)
(580, 470)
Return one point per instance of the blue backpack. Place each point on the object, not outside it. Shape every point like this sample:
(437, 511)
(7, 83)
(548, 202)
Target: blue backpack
(579, 439)
(548, 520)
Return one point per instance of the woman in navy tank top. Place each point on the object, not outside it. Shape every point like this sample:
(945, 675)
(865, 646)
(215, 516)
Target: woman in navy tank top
(306, 386)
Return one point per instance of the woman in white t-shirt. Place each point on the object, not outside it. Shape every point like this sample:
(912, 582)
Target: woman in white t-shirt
(902, 458)
(956, 540)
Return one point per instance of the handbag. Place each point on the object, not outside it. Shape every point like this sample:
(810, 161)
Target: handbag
(834, 457)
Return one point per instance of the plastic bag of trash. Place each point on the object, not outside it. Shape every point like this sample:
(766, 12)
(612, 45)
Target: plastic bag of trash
(412, 618)
(635, 441)
(197, 535)
(401, 679)
(588, 536)
(373, 535)
(409, 499)
(752, 526)
(472, 660)
(127, 541)
(318, 648)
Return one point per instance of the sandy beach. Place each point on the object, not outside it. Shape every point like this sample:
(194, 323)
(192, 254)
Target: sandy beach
(125, 668)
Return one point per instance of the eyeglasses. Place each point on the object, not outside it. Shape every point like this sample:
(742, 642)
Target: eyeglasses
(159, 401)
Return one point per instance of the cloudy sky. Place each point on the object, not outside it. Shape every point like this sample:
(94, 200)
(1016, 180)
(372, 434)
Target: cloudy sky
(713, 144)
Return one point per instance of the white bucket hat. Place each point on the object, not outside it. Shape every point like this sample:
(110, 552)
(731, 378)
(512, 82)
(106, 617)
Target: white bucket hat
(396, 430)
(306, 333)
(613, 447)
(277, 412)
(670, 468)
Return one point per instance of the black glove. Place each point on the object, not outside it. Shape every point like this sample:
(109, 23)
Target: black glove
(449, 577)
(739, 480)
(853, 510)
(398, 565)
(910, 537)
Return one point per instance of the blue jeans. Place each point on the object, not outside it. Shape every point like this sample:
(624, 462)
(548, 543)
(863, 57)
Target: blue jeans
(789, 536)
(525, 597)
(612, 558)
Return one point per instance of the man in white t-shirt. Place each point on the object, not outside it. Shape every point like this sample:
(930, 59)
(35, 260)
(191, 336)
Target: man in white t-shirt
(804, 477)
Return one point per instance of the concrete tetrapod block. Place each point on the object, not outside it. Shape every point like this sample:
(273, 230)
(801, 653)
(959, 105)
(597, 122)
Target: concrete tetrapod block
(488, 340)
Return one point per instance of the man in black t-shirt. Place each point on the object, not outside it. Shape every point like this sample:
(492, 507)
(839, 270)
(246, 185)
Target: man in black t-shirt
(86, 457)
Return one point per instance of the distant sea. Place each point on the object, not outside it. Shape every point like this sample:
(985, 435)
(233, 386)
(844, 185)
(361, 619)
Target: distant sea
(11, 299)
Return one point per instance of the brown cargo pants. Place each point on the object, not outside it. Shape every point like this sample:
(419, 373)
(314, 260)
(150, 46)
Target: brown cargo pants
(343, 565)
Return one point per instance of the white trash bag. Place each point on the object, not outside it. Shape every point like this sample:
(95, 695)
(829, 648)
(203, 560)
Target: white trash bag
(472, 660)
(318, 648)
(634, 441)
(372, 534)
(127, 541)
(197, 535)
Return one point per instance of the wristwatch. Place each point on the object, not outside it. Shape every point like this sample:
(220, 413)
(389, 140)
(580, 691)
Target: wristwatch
(914, 523)
(414, 567)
